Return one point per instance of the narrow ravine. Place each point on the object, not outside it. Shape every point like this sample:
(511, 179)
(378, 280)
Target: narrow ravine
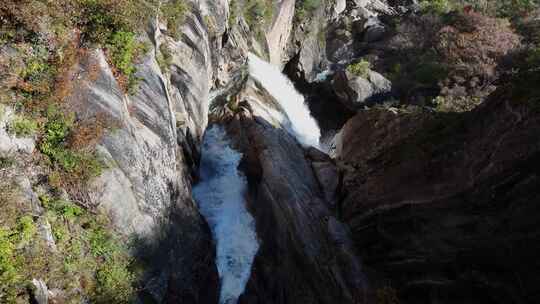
(221, 191)
(301, 124)
(220, 196)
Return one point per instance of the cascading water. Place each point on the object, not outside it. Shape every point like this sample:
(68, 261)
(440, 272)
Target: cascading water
(220, 196)
(302, 125)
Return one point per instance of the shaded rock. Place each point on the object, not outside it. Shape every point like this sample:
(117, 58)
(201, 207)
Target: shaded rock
(374, 30)
(442, 207)
(355, 92)
(326, 173)
(317, 155)
(328, 177)
(340, 41)
(302, 258)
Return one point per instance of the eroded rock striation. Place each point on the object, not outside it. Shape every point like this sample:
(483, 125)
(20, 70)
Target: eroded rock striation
(442, 206)
(155, 149)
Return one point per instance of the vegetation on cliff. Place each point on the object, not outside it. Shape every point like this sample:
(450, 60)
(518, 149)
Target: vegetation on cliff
(452, 54)
(305, 8)
(40, 42)
(86, 261)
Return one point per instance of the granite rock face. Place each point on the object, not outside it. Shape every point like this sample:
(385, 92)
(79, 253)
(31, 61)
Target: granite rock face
(278, 35)
(154, 149)
(10, 143)
(443, 207)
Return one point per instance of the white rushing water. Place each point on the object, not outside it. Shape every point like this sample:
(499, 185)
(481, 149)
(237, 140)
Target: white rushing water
(220, 196)
(302, 125)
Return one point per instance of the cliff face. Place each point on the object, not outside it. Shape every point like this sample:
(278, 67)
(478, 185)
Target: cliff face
(442, 206)
(155, 148)
(417, 206)
(305, 254)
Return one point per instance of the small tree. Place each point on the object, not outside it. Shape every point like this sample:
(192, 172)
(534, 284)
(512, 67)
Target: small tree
(361, 68)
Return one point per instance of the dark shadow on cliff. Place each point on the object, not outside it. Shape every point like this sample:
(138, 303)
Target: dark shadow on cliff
(179, 261)
(323, 103)
(444, 206)
(305, 254)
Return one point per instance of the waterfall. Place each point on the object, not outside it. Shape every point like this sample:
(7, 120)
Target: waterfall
(220, 196)
(302, 125)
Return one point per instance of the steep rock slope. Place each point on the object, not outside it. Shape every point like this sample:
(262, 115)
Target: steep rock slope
(154, 149)
(305, 254)
(443, 207)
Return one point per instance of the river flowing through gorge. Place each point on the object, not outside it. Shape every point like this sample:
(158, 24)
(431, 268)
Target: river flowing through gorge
(222, 188)
(221, 198)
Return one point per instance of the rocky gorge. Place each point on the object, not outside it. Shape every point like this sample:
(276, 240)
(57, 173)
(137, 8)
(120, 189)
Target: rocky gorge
(287, 151)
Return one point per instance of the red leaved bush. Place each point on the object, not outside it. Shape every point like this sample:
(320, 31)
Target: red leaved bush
(473, 44)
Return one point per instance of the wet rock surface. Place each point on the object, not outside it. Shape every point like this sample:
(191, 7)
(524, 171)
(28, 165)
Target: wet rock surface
(305, 254)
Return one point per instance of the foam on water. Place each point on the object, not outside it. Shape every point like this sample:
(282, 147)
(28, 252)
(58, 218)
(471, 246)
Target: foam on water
(220, 196)
(302, 125)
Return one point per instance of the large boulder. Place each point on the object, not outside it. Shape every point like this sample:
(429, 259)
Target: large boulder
(355, 92)
(443, 207)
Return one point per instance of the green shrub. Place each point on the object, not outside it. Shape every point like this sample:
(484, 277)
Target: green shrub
(439, 7)
(516, 8)
(233, 8)
(115, 281)
(100, 19)
(504, 8)
(174, 12)
(90, 249)
(54, 137)
(305, 8)
(429, 72)
(456, 104)
(81, 165)
(25, 228)
(114, 24)
(9, 267)
(6, 162)
(361, 68)
(311, 5)
(513, 9)
(68, 210)
(23, 127)
(122, 47)
(113, 277)
(37, 66)
(258, 13)
(164, 57)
